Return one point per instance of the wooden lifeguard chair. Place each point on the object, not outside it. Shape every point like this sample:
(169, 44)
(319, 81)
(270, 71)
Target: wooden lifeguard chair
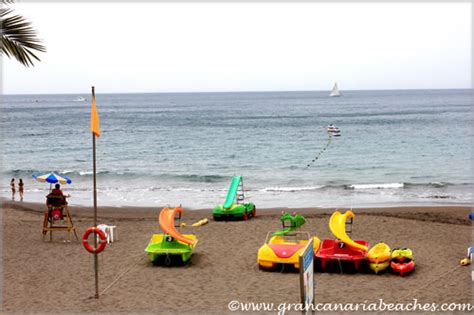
(56, 213)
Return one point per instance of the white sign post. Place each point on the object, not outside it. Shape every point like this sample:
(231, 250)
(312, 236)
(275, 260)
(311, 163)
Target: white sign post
(307, 276)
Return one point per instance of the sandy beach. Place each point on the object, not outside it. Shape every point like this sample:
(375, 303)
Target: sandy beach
(299, 107)
(39, 276)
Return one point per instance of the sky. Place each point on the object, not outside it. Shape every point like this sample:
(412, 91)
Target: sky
(214, 47)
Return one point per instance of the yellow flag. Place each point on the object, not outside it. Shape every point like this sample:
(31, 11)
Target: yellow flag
(95, 119)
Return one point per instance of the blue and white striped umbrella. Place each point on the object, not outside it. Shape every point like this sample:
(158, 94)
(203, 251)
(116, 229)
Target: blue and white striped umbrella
(52, 178)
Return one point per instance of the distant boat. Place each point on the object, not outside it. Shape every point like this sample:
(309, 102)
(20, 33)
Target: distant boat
(79, 99)
(335, 91)
(333, 130)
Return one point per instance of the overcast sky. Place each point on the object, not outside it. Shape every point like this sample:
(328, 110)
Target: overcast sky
(186, 47)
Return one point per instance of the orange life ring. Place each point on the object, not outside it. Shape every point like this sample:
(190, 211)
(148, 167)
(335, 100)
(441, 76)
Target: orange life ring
(102, 240)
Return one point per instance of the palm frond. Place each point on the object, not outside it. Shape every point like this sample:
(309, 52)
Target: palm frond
(19, 38)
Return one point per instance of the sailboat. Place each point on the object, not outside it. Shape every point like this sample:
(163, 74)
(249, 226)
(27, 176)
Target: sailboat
(335, 91)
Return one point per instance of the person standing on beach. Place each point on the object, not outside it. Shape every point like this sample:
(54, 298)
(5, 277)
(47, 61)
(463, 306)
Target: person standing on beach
(12, 186)
(20, 188)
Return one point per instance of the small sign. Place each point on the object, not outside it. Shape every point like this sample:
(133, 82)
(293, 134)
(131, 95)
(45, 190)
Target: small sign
(307, 276)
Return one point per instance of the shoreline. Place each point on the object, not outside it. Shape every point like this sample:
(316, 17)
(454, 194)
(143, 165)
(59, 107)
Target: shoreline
(452, 214)
(196, 196)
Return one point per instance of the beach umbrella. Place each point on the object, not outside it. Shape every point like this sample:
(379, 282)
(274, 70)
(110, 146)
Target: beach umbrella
(52, 178)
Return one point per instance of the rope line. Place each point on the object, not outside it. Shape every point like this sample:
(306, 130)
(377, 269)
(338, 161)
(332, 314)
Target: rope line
(322, 151)
(122, 274)
(428, 283)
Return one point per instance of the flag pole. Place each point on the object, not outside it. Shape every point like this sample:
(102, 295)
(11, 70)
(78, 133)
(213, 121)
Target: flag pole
(96, 261)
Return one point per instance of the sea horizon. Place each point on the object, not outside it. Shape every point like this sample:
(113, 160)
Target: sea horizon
(238, 91)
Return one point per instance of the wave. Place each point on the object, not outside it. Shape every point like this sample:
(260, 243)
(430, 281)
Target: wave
(39, 134)
(129, 174)
(258, 184)
(17, 172)
(333, 185)
(198, 178)
(72, 173)
(431, 184)
(376, 186)
(291, 189)
(126, 173)
(438, 197)
(406, 185)
(66, 172)
(184, 189)
(85, 173)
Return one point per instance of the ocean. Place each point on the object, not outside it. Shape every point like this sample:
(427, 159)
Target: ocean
(397, 147)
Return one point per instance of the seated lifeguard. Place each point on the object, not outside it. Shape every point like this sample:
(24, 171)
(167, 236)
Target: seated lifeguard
(55, 201)
(57, 190)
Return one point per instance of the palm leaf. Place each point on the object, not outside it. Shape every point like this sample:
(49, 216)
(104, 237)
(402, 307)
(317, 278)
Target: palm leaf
(19, 39)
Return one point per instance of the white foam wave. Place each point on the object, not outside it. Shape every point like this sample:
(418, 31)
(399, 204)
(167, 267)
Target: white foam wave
(290, 189)
(438, 184)
(66, 172)
(377, 186)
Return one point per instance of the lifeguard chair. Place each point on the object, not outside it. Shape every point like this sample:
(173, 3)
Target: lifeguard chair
(57, 217)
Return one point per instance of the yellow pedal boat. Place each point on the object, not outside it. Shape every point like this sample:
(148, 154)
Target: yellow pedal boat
(379, 253)
(378, 267)
(284, 250)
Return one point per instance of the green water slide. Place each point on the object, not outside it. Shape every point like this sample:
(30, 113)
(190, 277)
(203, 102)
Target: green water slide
(294, 223)
(234, 186)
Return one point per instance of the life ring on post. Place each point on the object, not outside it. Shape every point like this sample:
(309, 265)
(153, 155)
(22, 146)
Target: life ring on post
(102, 240)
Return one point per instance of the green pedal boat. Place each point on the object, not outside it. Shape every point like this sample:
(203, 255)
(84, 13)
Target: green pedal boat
(234, 206)
(170, 246)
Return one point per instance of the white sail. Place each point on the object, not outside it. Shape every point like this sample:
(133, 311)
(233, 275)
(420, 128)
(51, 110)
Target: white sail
(335, 91)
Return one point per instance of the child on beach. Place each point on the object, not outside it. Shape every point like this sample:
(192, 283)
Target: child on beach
(20, 189)
(12, 186)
